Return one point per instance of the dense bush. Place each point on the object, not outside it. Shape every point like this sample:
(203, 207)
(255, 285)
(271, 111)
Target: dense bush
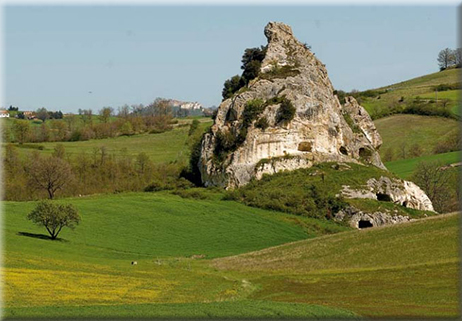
(251, 63)
(262, 123)
(286, 111)
(445, 87)
(298, 192)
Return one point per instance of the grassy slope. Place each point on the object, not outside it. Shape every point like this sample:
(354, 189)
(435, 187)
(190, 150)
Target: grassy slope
(403, 270)
(405, 167)
(91, 266)
(410, 129)
(420, 86)
(289, 191)
(161, 148)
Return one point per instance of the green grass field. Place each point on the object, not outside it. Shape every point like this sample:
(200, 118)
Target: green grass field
(161, 148)
(406, 270)
(87, 272)
(90, 267)
(405, 167)
(426, 131)
(420, 86)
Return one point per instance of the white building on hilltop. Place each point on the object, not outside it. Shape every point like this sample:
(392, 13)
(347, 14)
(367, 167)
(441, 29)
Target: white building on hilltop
(4, 114)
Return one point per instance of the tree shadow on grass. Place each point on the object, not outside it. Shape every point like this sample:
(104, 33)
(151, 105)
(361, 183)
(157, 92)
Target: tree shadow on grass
(41, 236)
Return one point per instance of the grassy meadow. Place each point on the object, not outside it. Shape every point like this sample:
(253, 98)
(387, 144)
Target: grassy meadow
(422, 87)
(215, 258)
(405, 270)
(161, 148)
(207, 253)
(405, 167)
(426, 131)
(90, 267)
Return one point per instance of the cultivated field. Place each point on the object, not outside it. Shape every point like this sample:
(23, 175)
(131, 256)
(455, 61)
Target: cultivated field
(406, 270)
(88, 272)
(90, 268)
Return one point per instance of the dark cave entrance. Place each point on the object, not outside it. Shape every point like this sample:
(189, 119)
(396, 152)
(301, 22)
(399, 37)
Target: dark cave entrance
(383, 197)
(364, 224)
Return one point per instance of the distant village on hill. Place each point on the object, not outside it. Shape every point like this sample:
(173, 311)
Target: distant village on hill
(178, 109)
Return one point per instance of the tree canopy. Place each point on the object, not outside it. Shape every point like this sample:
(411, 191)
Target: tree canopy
(54, 217)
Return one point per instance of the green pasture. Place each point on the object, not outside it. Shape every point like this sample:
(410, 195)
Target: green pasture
(409, 270)
(405, 167)
(426, 131)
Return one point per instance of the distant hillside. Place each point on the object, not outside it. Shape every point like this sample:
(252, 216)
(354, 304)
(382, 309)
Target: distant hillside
(421, 95)
(401, 133)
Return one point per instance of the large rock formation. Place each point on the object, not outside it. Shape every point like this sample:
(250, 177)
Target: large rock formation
(268, 140)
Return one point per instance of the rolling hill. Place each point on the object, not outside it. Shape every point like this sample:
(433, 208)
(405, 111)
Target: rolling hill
(406, 270)
(90, 267)
(401, 94)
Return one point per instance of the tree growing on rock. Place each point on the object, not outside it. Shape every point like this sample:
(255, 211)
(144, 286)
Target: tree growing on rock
(54, 217)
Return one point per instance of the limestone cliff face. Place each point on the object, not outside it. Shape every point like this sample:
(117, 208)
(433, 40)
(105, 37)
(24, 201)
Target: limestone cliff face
(320, 130)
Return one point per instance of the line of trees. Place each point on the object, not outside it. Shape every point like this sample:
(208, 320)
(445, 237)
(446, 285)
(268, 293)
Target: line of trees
(97, 171)
(154, 118)
(449, 58)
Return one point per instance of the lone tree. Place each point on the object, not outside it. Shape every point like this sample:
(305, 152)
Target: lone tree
(446, 58)
(50, 174)
(54, 217)
(435, 180)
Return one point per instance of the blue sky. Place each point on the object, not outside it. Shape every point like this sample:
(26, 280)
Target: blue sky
(55, 55)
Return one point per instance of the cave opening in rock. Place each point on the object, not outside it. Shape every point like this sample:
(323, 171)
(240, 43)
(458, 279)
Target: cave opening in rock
(343, 150)
(383, 197)
(364, 224)
(405, 203)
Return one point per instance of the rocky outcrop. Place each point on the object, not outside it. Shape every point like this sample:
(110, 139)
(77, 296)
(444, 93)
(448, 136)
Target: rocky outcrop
(320, 130)
(360, 219)
(393, 190)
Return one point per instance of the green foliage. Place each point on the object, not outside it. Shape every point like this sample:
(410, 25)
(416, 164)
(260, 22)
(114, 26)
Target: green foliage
(351, 123)
(446, 87)
(54, 217)
(286, 111)
(253, 108)
(307, 192)
(229, 141)
(21, 130)
(262, 123)
(193, 193)
(251, 63)
(280, 72)
(193, 127)
(126, 129)
(231, 86)
(435, 181)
